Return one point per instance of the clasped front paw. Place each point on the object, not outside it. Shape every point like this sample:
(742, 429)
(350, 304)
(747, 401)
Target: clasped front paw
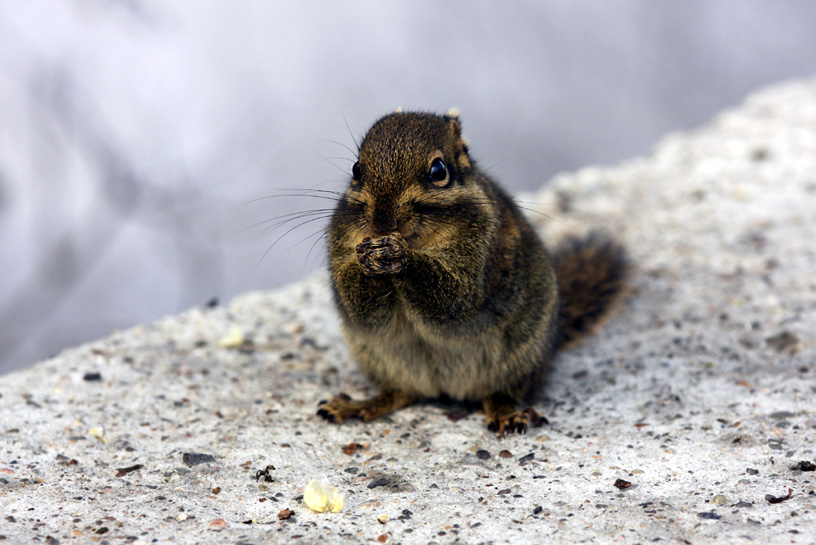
(382, 255)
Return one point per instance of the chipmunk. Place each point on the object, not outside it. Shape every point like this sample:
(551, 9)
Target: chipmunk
(443, 287)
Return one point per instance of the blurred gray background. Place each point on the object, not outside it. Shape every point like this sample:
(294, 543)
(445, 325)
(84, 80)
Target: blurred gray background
(145, 144)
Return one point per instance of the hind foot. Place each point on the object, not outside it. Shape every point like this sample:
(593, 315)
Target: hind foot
(342, 407)
(503, 416)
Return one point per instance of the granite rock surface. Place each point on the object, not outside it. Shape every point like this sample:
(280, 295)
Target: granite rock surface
(688, 418)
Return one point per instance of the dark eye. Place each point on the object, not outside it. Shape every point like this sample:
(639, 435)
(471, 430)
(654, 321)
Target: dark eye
(438, 172)
(355, 172)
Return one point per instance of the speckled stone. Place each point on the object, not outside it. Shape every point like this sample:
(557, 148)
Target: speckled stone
(679, 393)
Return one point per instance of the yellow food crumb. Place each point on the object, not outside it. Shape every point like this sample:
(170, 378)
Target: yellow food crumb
(233, 339)
(320, 498)
(96, 432)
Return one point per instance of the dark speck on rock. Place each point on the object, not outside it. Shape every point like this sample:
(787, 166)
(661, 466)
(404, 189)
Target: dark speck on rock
(779, 499)
(775, 444)
(92, 377)
(378, 482)
(709, 516)
(527, 458)
(194, 458)
(782, 341)
(482, 454)
(621, 484)
(805, 465)
(751, 471)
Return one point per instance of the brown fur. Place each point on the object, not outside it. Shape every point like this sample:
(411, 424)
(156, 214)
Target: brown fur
(443, 287)
(591, 275)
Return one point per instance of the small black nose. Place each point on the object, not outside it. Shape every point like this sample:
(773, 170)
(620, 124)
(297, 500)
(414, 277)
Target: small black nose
(383, 221)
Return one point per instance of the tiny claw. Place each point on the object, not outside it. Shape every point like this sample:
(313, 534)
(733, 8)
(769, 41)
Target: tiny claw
(535, 419)
(326, 415)
(362, 246)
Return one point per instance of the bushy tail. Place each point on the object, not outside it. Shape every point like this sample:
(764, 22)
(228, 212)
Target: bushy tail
(592, 272)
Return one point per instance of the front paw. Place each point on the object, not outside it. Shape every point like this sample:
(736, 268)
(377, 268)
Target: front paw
(382, 255)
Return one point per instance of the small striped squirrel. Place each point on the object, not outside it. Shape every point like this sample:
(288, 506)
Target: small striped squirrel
(443, 287)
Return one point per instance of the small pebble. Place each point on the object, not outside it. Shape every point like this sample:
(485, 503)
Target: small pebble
(285, 514)
(709, 516)
(527, 458)
(378, 482)
(719, 499)
(194, 458)
(620, 484)
(351, 448)
(782, 341)
(482, 454)
(778, 499)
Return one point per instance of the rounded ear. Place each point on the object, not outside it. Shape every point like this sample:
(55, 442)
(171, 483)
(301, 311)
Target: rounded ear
(454, 128)
(454, 121)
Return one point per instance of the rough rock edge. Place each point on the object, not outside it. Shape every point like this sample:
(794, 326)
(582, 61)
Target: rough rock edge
(699, 392)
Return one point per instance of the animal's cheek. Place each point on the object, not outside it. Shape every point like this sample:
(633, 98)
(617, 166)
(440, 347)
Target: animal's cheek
(410, 228)
(350, 238)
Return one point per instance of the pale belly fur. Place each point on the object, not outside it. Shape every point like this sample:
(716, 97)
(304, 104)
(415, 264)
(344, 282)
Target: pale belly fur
(412, 357)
